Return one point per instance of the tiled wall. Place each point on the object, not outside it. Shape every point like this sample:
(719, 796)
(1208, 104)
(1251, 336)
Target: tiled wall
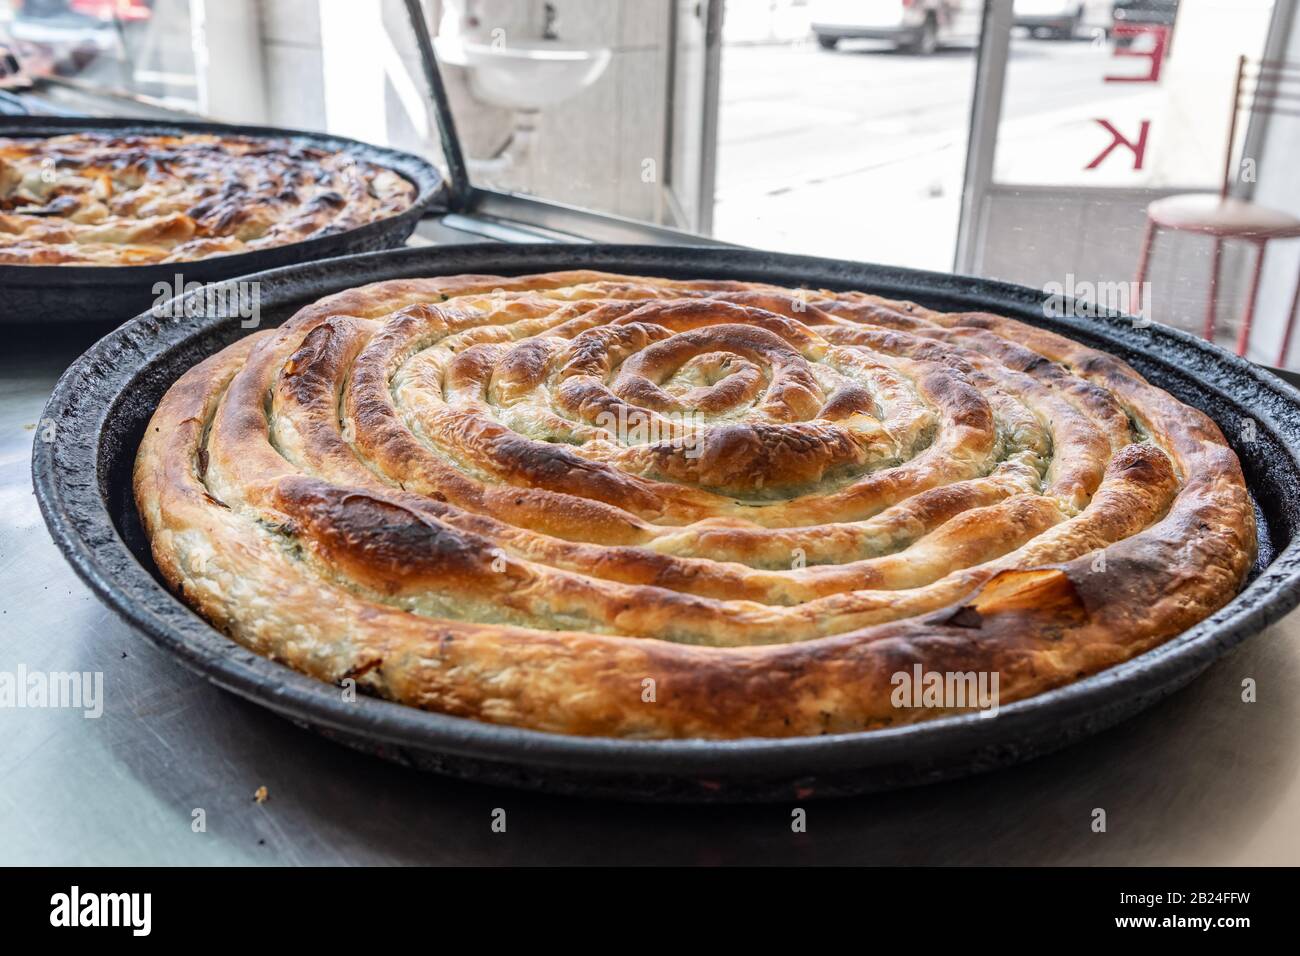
(590, 149)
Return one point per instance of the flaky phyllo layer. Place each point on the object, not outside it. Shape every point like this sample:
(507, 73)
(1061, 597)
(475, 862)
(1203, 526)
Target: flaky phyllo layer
(628, 506)
(103, 199)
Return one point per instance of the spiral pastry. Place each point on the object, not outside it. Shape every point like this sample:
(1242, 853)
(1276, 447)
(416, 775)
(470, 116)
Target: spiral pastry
(100, 199)
(628, 506)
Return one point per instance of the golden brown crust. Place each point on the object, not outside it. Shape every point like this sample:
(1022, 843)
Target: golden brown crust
(629, 506)
(101, 199)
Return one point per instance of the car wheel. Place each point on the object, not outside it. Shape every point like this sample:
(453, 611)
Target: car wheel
(928, 42)
(827, 42)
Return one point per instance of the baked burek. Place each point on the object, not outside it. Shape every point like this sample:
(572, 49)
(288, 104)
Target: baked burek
(634, 507)
(111, 200)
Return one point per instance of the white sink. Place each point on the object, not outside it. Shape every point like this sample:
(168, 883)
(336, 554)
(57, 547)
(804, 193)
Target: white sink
(523, 76)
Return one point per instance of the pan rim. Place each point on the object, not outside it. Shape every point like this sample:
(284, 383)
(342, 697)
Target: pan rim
(131, 590)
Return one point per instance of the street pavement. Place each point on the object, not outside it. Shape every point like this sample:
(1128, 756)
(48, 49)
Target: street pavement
(859, 153)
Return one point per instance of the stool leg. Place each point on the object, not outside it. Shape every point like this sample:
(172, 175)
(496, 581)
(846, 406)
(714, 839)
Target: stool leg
(1290, 324)
(1144, 262)
(1212, 297)
(1243, 340)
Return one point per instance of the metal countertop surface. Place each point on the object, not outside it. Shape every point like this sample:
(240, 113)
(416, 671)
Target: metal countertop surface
(1203, 778)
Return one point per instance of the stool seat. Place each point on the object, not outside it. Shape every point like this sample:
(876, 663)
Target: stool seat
(1211, 215)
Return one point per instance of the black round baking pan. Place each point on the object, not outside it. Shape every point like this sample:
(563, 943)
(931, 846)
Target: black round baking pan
(110, 294)
(102, 404)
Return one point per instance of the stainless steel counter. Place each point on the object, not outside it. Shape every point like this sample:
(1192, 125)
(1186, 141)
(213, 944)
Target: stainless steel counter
(1203, 778)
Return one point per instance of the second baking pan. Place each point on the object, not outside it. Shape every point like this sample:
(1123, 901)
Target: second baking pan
(107, 295)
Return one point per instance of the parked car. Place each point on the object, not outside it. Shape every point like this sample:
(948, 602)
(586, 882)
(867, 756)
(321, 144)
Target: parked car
(1127, 14)
(1063, 19)
(1055, 18)
(921, 26)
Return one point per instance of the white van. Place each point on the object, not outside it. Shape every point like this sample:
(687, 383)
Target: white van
(921, 26)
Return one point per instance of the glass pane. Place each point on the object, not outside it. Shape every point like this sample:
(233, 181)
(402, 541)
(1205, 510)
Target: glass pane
(842, 133)
(1113, 148)
(136, 47)
(349, 67)
(570, 101)
(796, 125)
(777, 123)
(1141, 97)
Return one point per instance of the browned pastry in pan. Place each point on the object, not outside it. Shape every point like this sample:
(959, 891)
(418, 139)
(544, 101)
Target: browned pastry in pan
(104, 199)
(628, 506)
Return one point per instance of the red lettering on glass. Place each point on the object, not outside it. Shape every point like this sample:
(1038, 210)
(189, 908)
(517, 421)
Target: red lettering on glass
(1118, 139)
(1156, 54)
